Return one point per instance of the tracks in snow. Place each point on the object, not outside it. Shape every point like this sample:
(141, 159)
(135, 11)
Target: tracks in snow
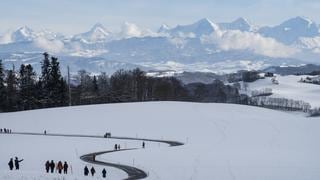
(133, 172)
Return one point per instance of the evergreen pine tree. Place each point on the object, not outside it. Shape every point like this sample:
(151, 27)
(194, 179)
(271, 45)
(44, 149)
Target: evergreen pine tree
(44, 80)
(2, 88)
(58, 87)
(12, 85)
(95, 87)
(27, 84)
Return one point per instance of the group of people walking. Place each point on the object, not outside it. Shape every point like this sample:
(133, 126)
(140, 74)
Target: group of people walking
(59, 166)
(93, 171)
(14, 163)
(5, 130)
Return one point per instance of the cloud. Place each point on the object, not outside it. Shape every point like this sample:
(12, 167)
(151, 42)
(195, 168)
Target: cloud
(53, 46)
(6, 38)
(237, 40)
(129, 30)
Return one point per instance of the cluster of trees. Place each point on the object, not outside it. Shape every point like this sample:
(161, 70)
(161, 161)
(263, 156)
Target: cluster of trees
(135, 85)
(262, 92)
(215, 92)
(125, 86)
(245, 76)
(280, 103)
(23, 90)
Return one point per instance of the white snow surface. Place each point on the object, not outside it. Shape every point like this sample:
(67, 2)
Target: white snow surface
(290, 87)
(223, 141)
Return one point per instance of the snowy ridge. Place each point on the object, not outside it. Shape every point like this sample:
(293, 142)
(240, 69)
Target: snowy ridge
(204, 42)
(241, 24)
(97, 33)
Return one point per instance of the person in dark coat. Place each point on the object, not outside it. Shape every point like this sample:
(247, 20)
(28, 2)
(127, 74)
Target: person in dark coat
(86, 171)
(52, 165)
(93, 171)
(104, 173)
(11, 164)
(65, 168)
(116, 147)
(47, 165)
(59, 167)
(143, 144)
(16, 163)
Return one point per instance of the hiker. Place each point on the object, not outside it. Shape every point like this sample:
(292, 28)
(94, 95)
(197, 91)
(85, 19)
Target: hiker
(52, 165)
(92, 171)
(10, 164)
(4, 130)
(143, 144)
(45, 132)
(0, 130)
(86, 171)
(116, 147)
(16, 163)
(59, 167)
(65, 168)
(47, 165)
(104, 173)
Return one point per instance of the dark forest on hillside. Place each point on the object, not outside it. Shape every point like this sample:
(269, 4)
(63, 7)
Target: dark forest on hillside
(24, 90)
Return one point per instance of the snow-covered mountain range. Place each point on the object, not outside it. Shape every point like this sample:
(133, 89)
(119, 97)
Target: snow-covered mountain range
(201, 46)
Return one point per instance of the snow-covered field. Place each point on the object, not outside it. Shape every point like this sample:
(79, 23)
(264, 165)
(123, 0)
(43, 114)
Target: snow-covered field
(289, 87)
(223, 141)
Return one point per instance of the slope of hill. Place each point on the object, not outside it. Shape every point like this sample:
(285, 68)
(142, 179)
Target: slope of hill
(290, 87)
(223, 141)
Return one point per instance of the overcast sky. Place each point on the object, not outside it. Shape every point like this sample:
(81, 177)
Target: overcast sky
(74, 16)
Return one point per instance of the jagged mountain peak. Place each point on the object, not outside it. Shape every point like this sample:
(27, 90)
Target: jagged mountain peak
(202, 27)
(241, 20)
(23, 33)
(97, 33)
(98, 26)
(205, 22)
(291, 30)
(240, 24)
(299, 22)
(163, 28)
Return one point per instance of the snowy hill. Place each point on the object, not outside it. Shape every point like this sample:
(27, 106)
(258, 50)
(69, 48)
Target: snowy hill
(290, 87)
(223, 141)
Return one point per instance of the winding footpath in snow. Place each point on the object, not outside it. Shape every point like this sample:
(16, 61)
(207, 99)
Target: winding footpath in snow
(133, 172)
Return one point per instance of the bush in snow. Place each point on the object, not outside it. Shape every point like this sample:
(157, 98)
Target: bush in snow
(314, 112)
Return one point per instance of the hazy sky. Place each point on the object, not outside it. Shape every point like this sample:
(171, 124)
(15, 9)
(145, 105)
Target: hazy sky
(73, 16)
